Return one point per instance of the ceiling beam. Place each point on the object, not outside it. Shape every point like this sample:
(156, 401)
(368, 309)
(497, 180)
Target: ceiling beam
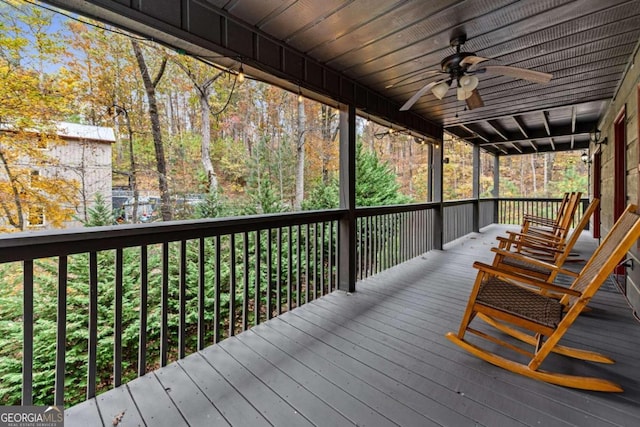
(476, 132)
(521, 125)
(499, 130)
(582, 129)
(587, 104)
(533, 145)
(574, 116)
(545, 120)
(514, 145)
(553, 145)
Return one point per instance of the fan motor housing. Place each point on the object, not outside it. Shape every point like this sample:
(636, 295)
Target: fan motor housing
(451, 64)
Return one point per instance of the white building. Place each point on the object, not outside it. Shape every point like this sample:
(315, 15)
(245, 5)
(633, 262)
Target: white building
(83, 154)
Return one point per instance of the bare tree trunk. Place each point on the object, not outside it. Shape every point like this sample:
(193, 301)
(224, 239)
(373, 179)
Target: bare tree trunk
(204, 90)
(18, 220)
(150, 89)
(329, 134)
(523, 191)
(297, 203)
(533, 173)
(545, 181)
(212, 179)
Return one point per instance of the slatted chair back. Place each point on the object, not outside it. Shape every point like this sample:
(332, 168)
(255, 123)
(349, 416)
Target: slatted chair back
(608, 255)
(561, 224)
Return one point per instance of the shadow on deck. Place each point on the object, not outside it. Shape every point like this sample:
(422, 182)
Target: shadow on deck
(379, 357)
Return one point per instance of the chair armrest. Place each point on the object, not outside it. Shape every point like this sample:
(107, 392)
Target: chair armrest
(521, 257)
(496, 271)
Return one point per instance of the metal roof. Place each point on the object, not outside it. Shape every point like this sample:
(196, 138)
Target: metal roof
(389, 47)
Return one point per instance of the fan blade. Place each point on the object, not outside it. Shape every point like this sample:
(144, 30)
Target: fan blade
(474, 101)
(519, 73)
(472, 61)
(418, 94)
(421, 75)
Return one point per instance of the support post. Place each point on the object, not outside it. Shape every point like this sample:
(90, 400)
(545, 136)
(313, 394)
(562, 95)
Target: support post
(496, 189)
(347, 225)
(436, 183)
(476, 188)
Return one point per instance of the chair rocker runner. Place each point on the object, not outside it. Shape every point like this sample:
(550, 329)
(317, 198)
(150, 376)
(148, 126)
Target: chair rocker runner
(511, 309)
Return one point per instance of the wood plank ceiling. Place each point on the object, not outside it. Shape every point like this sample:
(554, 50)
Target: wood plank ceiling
(390, 46)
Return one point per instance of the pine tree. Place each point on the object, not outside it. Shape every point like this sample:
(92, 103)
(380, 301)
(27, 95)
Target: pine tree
(376, 185)
(100, 214)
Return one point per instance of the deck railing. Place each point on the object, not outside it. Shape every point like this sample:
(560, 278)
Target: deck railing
(511, 210)
(171, 289)
(127, 299)
(390, 235)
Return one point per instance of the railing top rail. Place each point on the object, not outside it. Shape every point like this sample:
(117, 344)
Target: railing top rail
(367, 211)
(25, 245)
(459, 202)
(533, 199)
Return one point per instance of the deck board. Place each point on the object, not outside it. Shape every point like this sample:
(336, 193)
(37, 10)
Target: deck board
(188, 397)
(152, 400)
(378, 357)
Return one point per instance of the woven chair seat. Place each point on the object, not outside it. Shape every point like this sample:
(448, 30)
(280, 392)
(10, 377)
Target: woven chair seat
(518, 301)
(518, 263)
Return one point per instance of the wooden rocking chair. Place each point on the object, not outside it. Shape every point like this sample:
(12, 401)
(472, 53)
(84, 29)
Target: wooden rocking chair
(557, 228)
(548, 221)
(539, 258)
(511, 308)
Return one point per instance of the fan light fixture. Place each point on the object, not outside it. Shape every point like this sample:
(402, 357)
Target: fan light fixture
(440, 90)
(463, 94)
(469, 83)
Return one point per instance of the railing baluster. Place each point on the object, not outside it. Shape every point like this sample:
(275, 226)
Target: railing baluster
(269, 274)
(144, 282)
(329, 257)
(216, 300)
(182, 301)
(117, 320)
(164, 306)
(257, 292)
(245, 283)
(279, 270)
(314, 261)
(93, 325)
(201, 292)
(289, 266)
(232, 285)
(306, 259)
(298, 266)
(359, 248)
(61, 333)
(322, 270)
(27, 333)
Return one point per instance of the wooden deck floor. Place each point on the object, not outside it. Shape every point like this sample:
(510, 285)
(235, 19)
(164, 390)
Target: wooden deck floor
(379, 357)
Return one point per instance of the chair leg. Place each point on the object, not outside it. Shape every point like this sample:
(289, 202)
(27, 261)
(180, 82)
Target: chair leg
(469, 312)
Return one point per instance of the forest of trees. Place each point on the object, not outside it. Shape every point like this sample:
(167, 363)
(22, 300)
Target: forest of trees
(186, 126)
(183, 126)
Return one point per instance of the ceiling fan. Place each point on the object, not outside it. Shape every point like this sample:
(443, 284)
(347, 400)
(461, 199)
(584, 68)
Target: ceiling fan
(461, 68)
